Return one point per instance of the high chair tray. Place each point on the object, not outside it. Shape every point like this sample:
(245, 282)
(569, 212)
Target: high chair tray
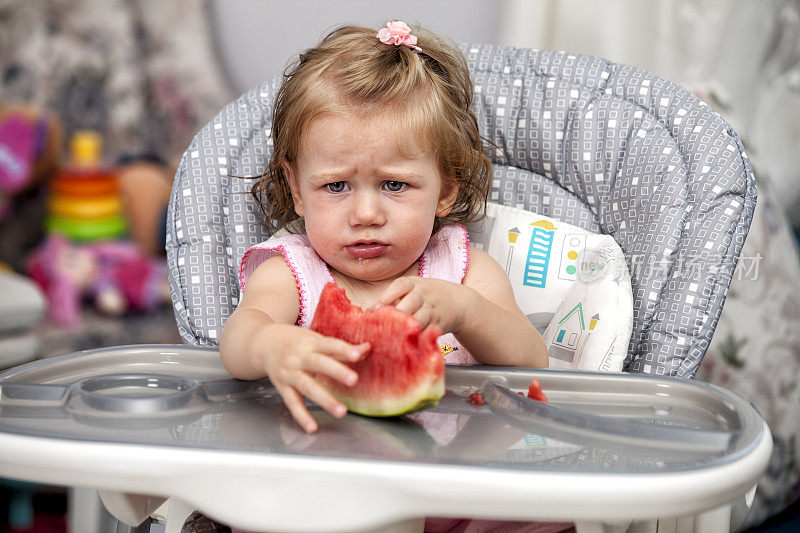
(166, 421)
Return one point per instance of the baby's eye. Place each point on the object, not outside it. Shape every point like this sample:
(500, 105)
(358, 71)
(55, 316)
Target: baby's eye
(395, 186)
(338, 186)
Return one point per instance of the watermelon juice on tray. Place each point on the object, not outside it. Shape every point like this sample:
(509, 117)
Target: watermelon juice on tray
(404, 369)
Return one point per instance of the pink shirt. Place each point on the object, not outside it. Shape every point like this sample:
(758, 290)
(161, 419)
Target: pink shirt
(446, 257)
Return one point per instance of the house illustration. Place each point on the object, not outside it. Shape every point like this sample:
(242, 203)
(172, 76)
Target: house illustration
(571, 333)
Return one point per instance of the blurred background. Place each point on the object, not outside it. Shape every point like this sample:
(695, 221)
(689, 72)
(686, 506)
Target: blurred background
(99, 98)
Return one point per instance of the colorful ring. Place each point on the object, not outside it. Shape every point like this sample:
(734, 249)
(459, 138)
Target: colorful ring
(87, 230)
(96, 185)
(85, 208)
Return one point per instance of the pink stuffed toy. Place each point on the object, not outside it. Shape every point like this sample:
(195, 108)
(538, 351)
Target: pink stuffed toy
(115, 276)
(29, 143)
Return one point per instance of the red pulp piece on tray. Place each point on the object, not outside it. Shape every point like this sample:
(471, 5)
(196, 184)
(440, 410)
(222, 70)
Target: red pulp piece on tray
(476, 398)
(535, 391)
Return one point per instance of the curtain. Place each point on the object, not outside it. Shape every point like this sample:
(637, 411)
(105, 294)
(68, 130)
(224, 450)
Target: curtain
(742, 57)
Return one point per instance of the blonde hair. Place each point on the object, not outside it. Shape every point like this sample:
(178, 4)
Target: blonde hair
(351, 70)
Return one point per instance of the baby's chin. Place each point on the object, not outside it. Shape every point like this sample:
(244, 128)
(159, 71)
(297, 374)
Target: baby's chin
(372, 270)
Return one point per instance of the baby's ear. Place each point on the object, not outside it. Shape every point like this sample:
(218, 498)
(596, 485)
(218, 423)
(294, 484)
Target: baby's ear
(291, 179)
(447, 198)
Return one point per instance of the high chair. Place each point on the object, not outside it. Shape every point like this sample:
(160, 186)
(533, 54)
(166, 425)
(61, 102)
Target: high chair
(609, 148)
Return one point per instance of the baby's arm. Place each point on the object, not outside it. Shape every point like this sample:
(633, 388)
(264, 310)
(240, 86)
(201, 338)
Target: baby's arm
(481, 313)
(495, 330)
(260, 340)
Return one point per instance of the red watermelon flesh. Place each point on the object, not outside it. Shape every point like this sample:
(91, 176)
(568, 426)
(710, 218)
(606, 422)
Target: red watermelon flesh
(404, 369)
(535, 391)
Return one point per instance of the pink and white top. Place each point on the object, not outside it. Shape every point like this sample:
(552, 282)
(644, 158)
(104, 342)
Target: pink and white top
(446, 257)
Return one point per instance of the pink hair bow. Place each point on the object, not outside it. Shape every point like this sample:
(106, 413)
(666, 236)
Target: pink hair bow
(398, 33)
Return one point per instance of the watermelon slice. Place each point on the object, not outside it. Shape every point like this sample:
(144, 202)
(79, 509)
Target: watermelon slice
(404, 369)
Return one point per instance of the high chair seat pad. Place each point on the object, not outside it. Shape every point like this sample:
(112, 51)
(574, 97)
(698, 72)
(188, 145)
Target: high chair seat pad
(608, 148)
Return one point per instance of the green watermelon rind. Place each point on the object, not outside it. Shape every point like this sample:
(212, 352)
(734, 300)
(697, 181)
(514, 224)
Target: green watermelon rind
(428, 396)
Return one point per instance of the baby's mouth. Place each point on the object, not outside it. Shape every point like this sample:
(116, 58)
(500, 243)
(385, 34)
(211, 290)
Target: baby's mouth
(367, 250)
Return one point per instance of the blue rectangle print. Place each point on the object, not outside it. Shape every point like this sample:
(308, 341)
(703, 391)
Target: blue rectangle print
(538, 258)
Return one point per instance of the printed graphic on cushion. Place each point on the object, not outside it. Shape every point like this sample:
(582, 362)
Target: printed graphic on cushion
(574, 246)
(573, 285)
(541, 244)
(536, 448)
(592, 325)
(572, 331)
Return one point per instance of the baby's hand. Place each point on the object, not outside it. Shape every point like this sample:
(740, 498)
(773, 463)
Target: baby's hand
(433, 302)
(298, 355)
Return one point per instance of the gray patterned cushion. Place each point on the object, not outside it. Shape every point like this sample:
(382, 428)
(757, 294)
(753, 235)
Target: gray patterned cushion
(607, 147)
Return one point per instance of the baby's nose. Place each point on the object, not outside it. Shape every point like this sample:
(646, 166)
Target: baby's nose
(367, 211)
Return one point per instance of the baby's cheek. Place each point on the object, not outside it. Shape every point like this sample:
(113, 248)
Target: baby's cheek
(323, 242)
(415, 232)
(325, 249)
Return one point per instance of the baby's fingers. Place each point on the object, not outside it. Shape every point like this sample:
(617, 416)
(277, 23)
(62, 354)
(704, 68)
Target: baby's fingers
(294, 402)
(411, 303)
(322, 364)
(396, 290)
(423, 316)
(343, 351)
(315, 392)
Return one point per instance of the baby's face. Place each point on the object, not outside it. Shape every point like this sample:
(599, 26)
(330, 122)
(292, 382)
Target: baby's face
(368, 192)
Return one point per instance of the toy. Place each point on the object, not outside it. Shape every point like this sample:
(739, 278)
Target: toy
(84, 199)
(115, 276)
(90, 201)
(29, 142)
